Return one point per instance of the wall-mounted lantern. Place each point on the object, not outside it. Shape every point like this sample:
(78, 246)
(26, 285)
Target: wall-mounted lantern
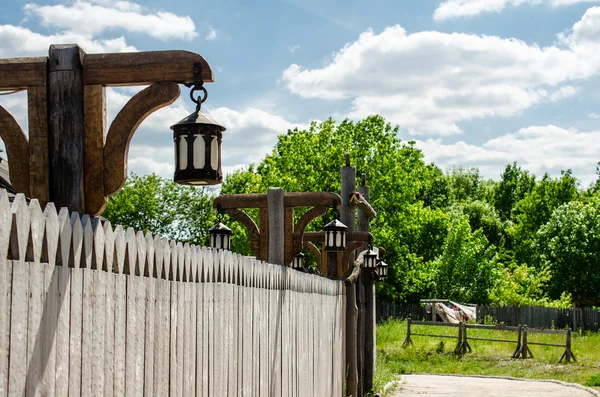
(197, 141)
(335, 236)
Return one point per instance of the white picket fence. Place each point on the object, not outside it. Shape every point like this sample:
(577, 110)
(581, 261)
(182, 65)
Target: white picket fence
(86, 310)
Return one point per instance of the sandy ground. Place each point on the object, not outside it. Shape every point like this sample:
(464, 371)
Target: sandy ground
(459, 386)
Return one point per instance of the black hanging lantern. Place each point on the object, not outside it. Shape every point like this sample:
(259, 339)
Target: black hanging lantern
(382, 270)
(335, 236)
(297, 263)
(197, 140)
(220, 235)
(370, 259)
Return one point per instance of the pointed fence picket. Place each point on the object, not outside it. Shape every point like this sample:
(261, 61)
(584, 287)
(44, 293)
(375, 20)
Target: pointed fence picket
(88, 309)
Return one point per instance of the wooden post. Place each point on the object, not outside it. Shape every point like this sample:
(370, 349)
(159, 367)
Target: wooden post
(408, 340)
(351, 343)
(353, 347)
(276, 226)
(66, 132)
(368, 287)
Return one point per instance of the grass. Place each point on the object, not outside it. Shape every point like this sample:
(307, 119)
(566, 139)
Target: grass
(435, 355)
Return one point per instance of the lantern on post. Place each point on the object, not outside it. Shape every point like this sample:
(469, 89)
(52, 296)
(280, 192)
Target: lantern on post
(382, 270)
(335, 236)
(297, 263)
(197, 140)
(220, 235)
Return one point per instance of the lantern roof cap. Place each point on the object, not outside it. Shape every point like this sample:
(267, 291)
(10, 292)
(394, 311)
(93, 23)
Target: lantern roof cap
(198, 117)
(220, 228)
(371, 253)
(335, 225)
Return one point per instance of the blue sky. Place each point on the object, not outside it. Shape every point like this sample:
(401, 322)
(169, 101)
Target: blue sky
(475, 83)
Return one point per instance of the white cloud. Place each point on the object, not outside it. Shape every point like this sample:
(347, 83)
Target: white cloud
(539, 149)
(92, 19)
(18, 41)
(293, 49)
(429, 81)
(251, 133)
(468, 8)
(212, 33)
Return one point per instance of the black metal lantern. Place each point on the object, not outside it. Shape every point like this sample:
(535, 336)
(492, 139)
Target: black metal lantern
(297, 263)
(382, 270)
(335, 236)
(197, 140)
(220, 236)
(370, 259)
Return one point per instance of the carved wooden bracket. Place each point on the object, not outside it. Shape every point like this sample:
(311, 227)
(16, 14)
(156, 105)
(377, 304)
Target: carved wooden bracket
(105, 161)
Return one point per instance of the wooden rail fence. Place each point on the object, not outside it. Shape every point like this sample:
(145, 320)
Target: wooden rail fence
(88, 310)
(580, 318)
(522, 344)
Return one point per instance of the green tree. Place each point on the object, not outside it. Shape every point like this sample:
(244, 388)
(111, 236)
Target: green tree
(482, 216)
(310, 161)
(153, 204)
(569, 244)
(515, 185)
(466, 269)
(535, 210)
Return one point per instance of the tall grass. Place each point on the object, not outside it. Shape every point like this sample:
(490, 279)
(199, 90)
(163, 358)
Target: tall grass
(435, 355)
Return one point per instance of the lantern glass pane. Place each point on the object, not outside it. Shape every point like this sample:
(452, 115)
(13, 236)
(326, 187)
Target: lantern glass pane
(199, 152)
(214, 153)
(338, 239)
(344, 240)
(183, 160)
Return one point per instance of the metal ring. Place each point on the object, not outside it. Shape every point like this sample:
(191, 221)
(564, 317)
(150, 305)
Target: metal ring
(198, 100)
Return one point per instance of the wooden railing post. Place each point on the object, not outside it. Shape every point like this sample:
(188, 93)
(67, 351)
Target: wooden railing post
(407, 341)
(568, 353)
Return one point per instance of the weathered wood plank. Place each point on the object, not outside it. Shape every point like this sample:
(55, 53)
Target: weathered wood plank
(5, 290)
(52, 302)
(76, 312)
(125, 124)
(66, 127)
(16, 73)
(17, 150)
(65, 243)
(37, 110)
(157, 66)
(20, 297)
(120, 313)
(94, 106)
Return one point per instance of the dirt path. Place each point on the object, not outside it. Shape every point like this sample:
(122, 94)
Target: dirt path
(459, 386)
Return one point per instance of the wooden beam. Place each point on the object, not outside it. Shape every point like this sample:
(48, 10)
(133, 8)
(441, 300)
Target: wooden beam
(18, 73)
(143, 68)
(39, 177)
(17, 151)
(94, 110)
(123, 127)
(318, 199)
